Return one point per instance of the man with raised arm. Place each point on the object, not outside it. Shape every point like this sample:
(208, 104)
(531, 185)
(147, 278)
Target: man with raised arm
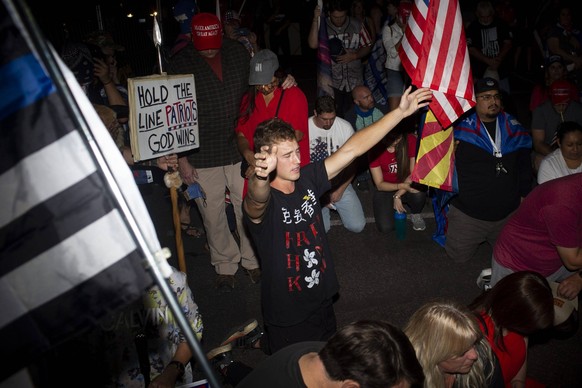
(283, 215)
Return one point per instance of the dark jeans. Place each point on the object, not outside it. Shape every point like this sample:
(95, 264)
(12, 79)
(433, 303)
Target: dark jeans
(384, 207)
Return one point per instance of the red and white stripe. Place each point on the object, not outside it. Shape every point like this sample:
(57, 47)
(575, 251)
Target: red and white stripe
(434, 54)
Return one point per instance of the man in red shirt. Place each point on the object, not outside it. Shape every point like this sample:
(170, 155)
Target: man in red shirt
(545, 235)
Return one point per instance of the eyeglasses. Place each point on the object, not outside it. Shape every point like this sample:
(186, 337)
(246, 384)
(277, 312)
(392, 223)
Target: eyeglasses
(489, 97)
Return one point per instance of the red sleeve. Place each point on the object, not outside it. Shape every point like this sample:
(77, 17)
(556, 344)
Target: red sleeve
(374, 155)
(294, 110)
(243, 123)
(298, 110)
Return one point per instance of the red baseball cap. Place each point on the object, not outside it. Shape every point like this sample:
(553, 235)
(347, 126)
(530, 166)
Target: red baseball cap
(206, 32)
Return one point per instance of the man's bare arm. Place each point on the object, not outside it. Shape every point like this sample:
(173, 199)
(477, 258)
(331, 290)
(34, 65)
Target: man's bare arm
(259, 188)
(571, 257)
(363, 140)
(257, 198)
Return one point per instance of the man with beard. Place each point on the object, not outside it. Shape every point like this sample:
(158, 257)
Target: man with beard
(493, 164)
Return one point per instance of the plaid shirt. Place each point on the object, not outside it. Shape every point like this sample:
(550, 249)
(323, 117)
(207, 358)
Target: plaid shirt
(218, 101)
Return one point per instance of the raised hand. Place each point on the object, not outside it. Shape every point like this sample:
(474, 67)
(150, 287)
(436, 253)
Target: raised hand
(411, 102)
(265, 161)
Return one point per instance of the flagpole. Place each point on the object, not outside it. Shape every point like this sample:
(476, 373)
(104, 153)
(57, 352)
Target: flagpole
(241, 8)
(157, 37)
(155, 262)
(176, 181)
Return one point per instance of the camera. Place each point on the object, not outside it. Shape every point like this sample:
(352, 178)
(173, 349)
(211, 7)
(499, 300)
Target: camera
(96, 52)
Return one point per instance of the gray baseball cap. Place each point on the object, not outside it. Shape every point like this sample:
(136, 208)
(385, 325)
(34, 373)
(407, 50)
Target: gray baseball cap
(263, 67)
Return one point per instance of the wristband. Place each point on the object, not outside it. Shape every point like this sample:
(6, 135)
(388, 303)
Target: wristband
(181, 368)
(396, 196)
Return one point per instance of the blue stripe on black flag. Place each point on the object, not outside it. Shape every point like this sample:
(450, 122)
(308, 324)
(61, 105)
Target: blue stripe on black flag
(67, 257)
(33, 112)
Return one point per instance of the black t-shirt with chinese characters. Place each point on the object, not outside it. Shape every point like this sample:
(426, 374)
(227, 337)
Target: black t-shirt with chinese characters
(298, 273)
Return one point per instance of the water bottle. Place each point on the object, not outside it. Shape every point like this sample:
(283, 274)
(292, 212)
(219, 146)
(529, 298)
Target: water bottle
(400, 224)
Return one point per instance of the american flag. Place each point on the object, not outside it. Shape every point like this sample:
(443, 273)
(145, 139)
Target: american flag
(434, 54)
(69, 251)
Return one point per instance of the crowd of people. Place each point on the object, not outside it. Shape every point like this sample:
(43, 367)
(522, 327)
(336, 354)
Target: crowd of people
(283, 170)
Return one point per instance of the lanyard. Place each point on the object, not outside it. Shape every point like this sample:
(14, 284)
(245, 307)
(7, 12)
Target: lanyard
(499, 168)
(496, 145)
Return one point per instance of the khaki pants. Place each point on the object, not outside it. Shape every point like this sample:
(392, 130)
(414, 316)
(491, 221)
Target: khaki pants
(225, 254)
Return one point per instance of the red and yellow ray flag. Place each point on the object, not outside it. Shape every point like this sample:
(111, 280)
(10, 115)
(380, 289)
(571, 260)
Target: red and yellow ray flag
(435, 161)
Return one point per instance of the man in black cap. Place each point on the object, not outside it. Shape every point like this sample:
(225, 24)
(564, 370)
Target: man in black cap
(493, 165)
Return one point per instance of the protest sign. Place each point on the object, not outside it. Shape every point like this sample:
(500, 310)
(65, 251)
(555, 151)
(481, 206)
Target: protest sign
(163, 115)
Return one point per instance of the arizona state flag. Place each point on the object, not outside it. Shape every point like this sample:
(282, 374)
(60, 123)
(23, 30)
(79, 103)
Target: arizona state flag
(435, 161)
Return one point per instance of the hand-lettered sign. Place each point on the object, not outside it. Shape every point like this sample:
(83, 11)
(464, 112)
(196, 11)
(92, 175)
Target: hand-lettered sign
(163, 115)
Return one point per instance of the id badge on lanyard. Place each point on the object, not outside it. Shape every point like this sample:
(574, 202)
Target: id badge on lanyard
(496, 145)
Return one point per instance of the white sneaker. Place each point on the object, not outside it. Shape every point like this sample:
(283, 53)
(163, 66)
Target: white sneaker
(417, 222)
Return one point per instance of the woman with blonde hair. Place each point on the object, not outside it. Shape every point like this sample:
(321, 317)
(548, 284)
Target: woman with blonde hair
(450, 346)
